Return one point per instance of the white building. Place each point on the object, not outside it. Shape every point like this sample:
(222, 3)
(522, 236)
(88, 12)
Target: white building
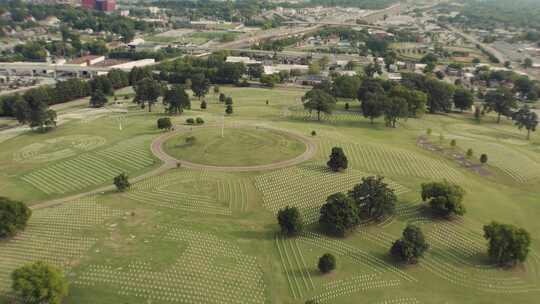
(239, 59)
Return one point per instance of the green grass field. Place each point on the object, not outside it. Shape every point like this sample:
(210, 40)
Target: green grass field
(200, 236)
(237, 147)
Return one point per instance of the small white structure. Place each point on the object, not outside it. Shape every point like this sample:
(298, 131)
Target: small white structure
(274, 69)
(132, 64)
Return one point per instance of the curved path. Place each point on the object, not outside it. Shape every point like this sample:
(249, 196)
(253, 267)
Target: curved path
(157, 150)
(171, 162)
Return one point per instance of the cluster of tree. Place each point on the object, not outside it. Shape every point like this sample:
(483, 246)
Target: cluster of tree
(393, 101)
(371, 199)
(445, 199)
(411, 246)
(39, 282)
(32, 106)
(214, 69)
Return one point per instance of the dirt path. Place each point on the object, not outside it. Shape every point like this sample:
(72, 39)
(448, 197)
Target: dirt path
(170, 162)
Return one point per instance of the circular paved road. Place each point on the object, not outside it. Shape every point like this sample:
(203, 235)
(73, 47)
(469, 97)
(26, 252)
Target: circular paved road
(157, 150)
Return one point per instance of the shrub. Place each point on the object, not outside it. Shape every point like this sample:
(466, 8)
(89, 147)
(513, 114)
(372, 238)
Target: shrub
(203, 105)
(483, 158)
(327, 263)
(190, 121)
(313, 133)
(121, 182)
(164, 123)
(199, 121)
(469, 153)
(190, 140)
(229, 109)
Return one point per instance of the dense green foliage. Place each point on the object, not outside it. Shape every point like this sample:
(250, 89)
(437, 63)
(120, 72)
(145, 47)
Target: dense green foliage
(164, 123)
(327, 263)
(338, 160)
(121, 182)
(411, 246)
(507, 243)
(444, 198)
(319, 101)
(290, 221)
(13, 216)
(176, 99)
(40, 283)
(374, 198)
(525, 118)
(339, 214)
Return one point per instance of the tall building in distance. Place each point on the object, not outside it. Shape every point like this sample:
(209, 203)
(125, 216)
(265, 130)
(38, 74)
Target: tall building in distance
(101, 5)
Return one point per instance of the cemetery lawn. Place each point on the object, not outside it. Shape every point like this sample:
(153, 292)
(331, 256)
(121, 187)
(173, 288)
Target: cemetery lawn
(202, 236)
(238, 146)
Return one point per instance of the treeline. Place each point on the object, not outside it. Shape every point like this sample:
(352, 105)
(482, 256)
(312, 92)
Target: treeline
(214, 69)
(18, 105)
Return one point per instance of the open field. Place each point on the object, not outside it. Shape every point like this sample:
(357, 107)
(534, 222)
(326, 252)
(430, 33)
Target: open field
(203, 236)
(237, 147)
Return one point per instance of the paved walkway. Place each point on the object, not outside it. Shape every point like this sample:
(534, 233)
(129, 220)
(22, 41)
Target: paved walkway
(170, 162)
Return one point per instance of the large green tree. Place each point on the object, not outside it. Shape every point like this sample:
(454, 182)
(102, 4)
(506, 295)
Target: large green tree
(200, 85)
(14, 216)
(290, 221)
(147, 91)
(444, 198)
(416, 100)
(394, 108)
(339, 214)
(346, 86)
(439, 95)
(463, 99)
(327, 263)
(40, 283)
(508, 244)
(319, 101)
(525, 118)
(338, 161)
(374, 198)
(411, 246)
(98, 99)
(373, 105)
(176, 100)
(502, 101)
